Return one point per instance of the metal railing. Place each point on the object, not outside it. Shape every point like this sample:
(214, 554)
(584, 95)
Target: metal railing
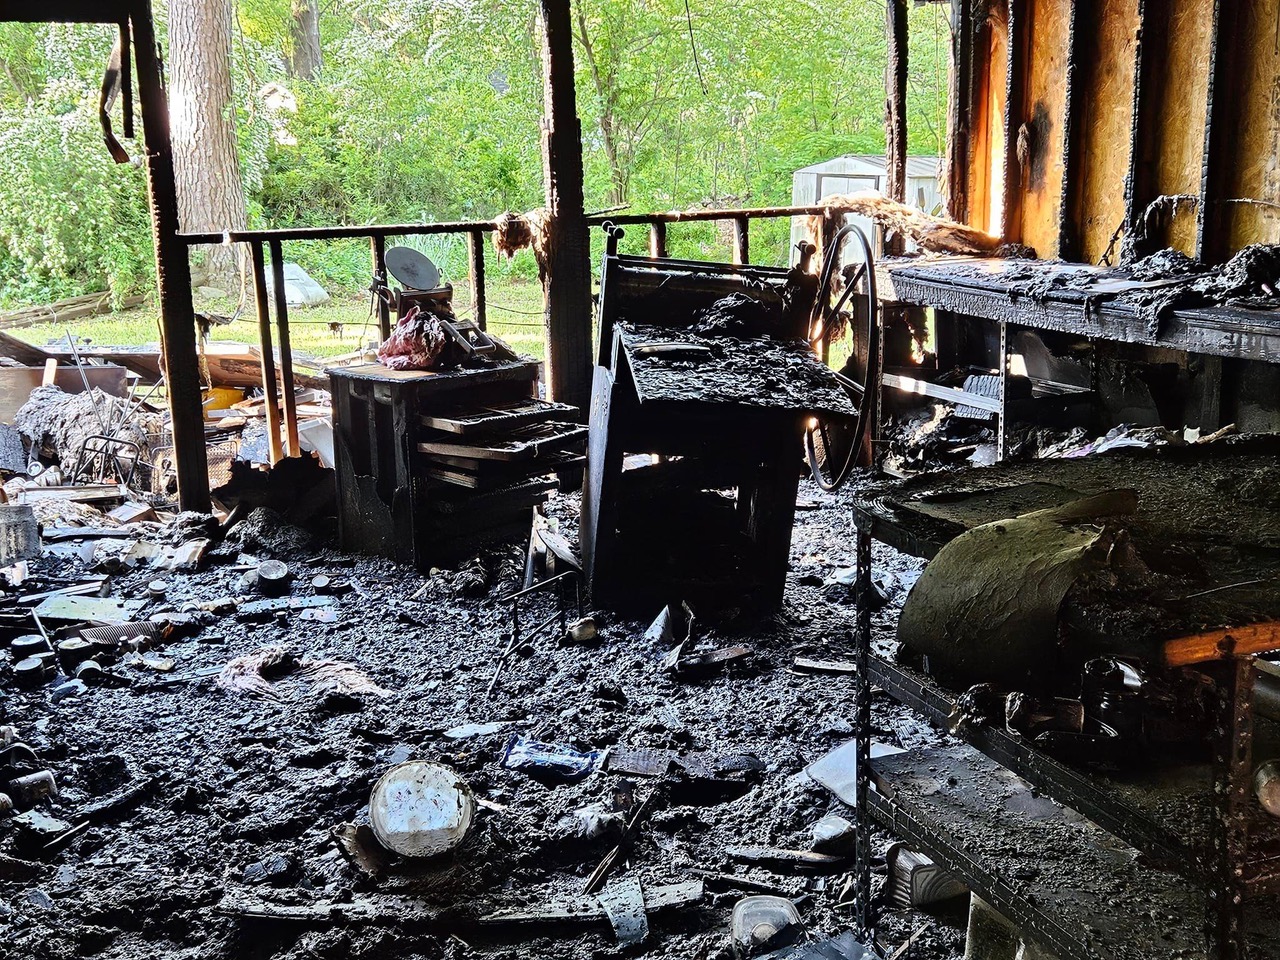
(278, 386)
(278, 391)
(740, 218)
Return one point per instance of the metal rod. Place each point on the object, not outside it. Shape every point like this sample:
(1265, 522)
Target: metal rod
(1002, 415)
(274, 451)
(863, 918)
(286, 350)
(84, 379)
(378, 245)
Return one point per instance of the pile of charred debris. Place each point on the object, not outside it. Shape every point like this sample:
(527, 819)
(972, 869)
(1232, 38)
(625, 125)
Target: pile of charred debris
(221, 735)
(210, 731)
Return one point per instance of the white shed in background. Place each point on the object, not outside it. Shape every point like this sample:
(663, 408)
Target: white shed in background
(850, 174)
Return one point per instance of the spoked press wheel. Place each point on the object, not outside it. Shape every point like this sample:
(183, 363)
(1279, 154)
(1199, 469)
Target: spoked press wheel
(834, 444)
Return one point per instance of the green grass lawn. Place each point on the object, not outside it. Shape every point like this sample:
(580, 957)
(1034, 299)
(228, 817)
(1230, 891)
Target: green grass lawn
(339, 326)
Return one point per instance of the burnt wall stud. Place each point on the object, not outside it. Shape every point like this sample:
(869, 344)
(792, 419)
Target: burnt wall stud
(173, 273)
(568, 270)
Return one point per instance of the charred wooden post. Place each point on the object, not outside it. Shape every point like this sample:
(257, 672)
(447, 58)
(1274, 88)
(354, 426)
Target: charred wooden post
(173, 273)
(741, 240)
(475, 270)
(1070, 211)
(657, 239)
(1015, 84)
(1222, 122)
(895, 116)
(286, 349)
(269, 392)
(378, 248)
(567, 282)
(959, 110)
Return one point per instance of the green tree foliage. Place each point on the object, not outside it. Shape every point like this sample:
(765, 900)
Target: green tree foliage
(430, 109)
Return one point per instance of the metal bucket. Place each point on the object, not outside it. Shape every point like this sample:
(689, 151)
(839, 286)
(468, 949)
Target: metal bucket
(421, 809)
(19, 533)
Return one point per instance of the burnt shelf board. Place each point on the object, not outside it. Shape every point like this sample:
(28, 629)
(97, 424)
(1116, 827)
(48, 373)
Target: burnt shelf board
(1162, 811)
(1062, 879)
(525, 443)
(498, 416)
(997, 290)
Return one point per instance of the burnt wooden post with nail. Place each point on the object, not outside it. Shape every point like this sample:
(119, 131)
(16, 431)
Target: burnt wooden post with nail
(475, 269)
(567, 283)
(274, 451)
(173, 273)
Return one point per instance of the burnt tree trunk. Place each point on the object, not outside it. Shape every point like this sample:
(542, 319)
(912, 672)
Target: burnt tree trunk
(305, 58)
(210, 191)
(568, 277)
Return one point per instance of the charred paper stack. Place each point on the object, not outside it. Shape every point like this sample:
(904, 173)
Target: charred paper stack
(433, 465)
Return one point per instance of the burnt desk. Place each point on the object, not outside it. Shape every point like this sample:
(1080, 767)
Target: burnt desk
(1174, 860)
(691, 417)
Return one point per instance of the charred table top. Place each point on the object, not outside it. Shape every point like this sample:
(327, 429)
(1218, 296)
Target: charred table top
(1083, 300)
(674, 365)
(432, 381)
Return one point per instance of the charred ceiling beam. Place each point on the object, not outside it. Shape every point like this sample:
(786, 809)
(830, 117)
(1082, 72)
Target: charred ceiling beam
(65, 11)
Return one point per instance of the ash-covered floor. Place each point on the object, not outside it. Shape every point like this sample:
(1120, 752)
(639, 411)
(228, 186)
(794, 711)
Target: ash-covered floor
(232, 798)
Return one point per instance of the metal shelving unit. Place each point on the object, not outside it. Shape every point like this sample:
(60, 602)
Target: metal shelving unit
(1197, 863)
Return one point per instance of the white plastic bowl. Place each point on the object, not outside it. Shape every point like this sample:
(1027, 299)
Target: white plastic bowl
(421, 809)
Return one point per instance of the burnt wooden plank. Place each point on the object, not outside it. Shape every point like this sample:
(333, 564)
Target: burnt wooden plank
(515, 413)
(522, 444)
(1017, 39)
(566, 276)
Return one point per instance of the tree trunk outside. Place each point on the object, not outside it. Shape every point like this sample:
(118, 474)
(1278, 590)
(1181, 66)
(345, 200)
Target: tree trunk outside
(608, 130)
(206, 163)
(305, 58)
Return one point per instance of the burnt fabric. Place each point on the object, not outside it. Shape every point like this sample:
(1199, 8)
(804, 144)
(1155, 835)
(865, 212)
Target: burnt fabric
(417, 343)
